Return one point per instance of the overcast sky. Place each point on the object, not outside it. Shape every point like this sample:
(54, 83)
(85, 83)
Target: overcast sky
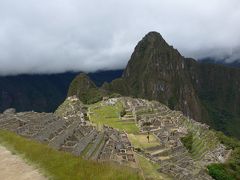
(49, 36)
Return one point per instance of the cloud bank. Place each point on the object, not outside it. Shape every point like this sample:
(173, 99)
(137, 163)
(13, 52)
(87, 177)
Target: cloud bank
(78, 35)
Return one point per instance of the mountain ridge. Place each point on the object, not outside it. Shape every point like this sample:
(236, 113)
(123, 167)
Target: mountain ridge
(43, 92)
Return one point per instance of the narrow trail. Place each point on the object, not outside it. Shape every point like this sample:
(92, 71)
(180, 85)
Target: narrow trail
(13, 167)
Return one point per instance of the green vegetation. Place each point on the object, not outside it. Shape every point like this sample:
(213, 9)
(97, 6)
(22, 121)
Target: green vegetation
(123, 112)
(61, 165)
(221, 119)
(199, 140)
(91, 96)
(85, 151)
(218, 171)
(110, 115)
(114, 95)
(141, 141)
(230, 142)
(118, 86)
(145, 111)
(188, 141)
(231, 169)
(85, 90)
(203, 143)
(172, 102)
(150, 169)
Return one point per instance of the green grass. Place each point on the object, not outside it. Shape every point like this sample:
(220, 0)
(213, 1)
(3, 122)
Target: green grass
(150, 169)
(218, 172)
(188, 141)
(140, 141)
(98, 146)
(85, 151)
(199, 140)
(110, 115)
(61, 165)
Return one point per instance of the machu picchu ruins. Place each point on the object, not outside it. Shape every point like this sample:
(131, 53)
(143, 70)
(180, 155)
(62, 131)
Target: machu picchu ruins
(97, 132)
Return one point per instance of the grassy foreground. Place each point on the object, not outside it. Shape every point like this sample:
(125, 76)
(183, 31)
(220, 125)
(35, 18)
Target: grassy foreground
(63, 166)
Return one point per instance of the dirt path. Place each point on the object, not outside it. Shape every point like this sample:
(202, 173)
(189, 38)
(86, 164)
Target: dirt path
(13, 167)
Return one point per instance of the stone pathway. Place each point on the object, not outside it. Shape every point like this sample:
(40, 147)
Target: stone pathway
(13, 167)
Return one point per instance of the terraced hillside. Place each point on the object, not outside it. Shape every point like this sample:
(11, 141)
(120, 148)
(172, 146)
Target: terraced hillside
(165, 128)
(68, 130)
(145, 135)
(169, 127)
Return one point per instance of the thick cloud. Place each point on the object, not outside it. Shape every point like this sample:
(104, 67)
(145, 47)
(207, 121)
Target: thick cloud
(51, 36)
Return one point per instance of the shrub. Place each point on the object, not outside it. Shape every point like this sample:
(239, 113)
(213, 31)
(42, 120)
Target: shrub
(188, 141)
(218, 172)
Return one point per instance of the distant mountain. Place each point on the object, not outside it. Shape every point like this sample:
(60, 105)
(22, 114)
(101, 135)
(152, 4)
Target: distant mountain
(42, 93)
(209, 93)
(235, 64)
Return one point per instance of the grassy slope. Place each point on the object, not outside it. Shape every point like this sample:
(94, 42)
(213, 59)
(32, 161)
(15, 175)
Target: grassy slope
(110, 115)
(199, 140)
(150, 169)
(61, 165)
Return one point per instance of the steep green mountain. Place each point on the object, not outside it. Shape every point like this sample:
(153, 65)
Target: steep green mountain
(158, 71)
(87, 91)
(205, 92)
(84, 88)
